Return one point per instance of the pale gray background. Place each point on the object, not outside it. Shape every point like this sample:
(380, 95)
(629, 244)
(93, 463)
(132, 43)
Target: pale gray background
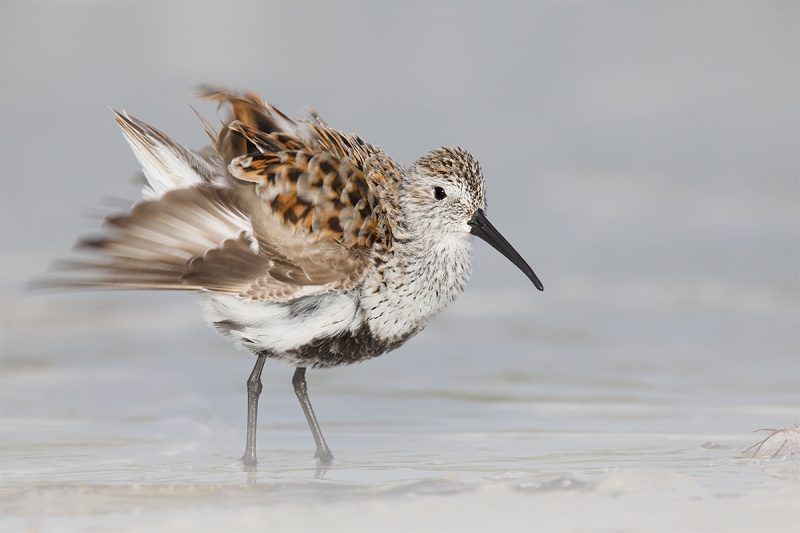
(618, 138)
(642, 156)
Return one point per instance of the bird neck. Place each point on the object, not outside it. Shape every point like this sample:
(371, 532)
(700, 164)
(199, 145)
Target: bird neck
(420, 278)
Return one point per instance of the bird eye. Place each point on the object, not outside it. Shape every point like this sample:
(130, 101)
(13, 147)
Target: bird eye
(439, 193)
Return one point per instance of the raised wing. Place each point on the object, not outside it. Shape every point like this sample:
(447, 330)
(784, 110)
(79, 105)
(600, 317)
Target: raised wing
(166, 164)
(200, 238)
(283, 209)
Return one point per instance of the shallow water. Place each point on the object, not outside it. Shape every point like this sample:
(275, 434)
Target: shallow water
(643, 157)
(102, 418)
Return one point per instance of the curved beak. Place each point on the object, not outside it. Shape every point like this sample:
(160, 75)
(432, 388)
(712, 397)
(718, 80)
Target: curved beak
(481, 227)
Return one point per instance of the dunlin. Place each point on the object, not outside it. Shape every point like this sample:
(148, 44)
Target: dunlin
(313, 247)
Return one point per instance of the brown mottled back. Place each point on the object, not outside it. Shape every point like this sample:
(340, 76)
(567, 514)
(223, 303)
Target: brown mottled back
(315, 179)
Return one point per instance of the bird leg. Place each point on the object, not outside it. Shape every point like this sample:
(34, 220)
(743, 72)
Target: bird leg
(254, 387)
(299, 381)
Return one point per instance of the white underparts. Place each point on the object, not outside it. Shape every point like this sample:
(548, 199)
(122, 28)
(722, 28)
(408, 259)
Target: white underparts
(281, 327)
(416, 284)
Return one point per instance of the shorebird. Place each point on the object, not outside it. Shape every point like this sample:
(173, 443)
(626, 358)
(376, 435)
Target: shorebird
(313, 247)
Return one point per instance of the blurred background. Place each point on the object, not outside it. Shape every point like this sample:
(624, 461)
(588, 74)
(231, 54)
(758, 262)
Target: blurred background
(642, 156)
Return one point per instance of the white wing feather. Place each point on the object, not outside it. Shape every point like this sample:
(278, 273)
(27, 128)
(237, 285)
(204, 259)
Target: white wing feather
(166, 164)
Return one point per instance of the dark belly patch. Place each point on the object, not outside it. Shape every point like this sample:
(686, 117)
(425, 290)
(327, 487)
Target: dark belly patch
(343, 349)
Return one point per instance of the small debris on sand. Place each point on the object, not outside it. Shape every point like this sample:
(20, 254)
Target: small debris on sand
(781, 444)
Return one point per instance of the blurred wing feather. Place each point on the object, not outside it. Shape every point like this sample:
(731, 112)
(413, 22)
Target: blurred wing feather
(166, 164)
(199, 239)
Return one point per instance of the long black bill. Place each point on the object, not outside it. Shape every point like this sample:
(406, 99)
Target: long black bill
(481, 227)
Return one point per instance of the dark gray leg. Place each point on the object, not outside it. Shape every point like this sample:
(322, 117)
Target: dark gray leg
(253, 392)
(299, 381)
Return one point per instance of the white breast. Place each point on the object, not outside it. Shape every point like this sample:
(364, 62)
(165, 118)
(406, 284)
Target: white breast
(419, 281)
